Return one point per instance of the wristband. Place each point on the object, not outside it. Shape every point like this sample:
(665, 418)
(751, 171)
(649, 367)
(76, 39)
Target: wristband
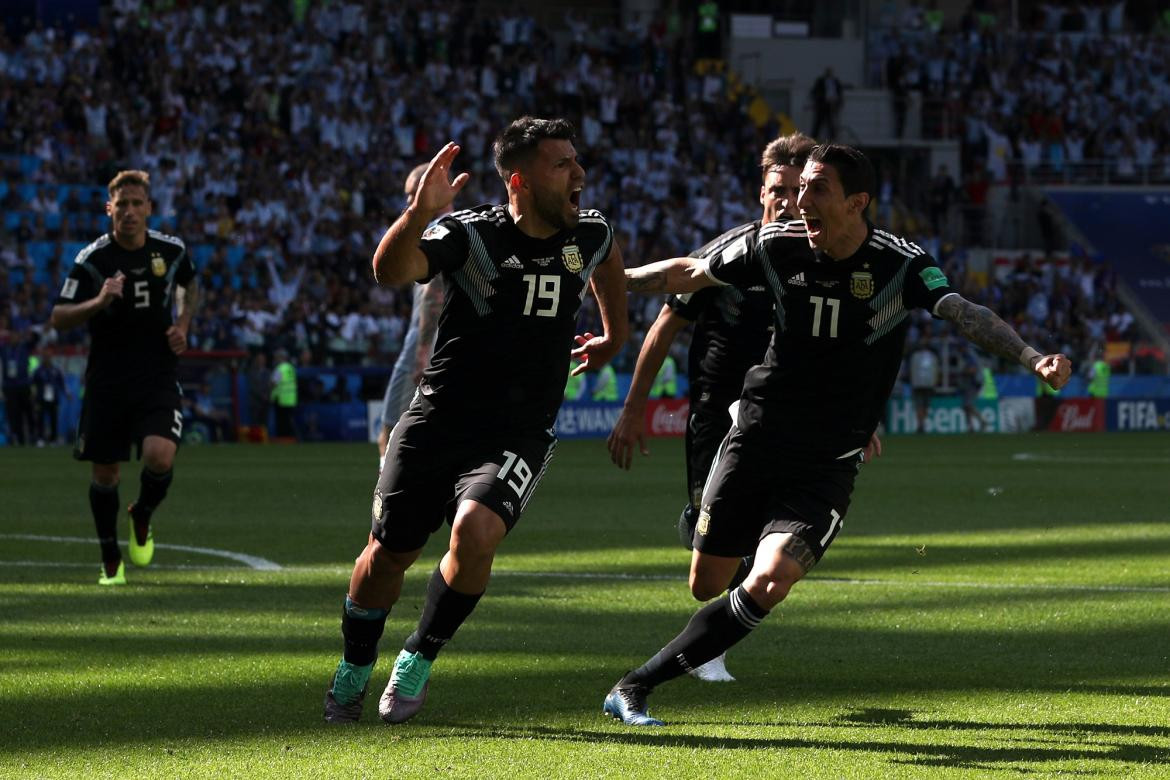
(1026, 357)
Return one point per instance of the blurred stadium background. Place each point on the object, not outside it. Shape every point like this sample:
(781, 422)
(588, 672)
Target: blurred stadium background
(1025, 144)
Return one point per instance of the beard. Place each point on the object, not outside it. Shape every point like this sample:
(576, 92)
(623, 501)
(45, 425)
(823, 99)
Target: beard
(551, 209)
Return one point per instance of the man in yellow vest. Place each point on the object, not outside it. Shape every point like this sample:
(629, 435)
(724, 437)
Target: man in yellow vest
(1099, 379)
(605, 384)
(284, 395)
(575, 385)
(666, 380)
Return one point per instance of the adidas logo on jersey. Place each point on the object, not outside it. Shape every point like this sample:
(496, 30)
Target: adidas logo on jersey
(512, 262)
(798, 280)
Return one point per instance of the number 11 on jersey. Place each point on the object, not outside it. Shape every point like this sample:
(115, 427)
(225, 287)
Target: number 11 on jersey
(818, 303)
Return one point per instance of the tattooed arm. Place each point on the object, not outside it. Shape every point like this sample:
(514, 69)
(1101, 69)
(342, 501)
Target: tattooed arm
(982, 326)
(677, 275)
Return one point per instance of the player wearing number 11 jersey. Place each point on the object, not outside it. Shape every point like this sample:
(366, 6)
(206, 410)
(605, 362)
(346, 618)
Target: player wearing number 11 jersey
(478, 436)
(781, 484)
(136, 290)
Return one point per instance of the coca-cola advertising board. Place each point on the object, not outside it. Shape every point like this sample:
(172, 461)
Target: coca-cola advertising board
(667, 417)
(1079, 415)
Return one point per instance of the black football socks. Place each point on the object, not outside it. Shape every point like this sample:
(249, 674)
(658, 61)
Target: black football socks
(710, 632)
(151, 493)
(444, 611)
(103, 501)
(361, 628)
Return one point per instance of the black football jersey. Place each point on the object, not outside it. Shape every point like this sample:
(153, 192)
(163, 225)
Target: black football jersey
(128, 339)
(502, 350)
(842, 325)
(732, 328)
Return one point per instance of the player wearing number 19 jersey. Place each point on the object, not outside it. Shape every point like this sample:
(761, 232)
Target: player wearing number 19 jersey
(782, 482)
(473, 445)
(136, 290)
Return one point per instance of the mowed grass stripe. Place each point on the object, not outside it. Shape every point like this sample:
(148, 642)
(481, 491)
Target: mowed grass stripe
(952, 631)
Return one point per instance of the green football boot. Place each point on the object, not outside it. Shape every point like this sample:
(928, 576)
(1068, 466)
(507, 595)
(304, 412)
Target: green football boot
(118, 577)
(140, 554)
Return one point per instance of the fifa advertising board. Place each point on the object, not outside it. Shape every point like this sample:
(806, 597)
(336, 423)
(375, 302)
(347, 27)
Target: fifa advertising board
(1138, 414)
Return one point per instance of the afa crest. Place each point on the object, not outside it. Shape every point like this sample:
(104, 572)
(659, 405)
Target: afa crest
(861, 285)
(571, 256)
(704, 524)
(158, 266)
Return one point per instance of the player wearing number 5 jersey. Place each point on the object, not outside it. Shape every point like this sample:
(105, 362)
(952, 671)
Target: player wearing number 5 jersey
(473, 445)
(781, 484)
(136, 290)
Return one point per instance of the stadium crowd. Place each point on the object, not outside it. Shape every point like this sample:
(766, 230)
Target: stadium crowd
(277, 151)
(1079, 92)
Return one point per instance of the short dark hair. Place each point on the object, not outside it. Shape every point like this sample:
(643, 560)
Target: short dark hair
(519, 140)
(853, 168)
(129, 179)
(792, 149)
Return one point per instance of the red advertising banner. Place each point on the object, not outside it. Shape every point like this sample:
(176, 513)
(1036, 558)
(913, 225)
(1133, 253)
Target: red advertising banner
(667, 417)
(1075, 415)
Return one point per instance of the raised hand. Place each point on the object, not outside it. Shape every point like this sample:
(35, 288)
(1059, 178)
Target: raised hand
(436, 190)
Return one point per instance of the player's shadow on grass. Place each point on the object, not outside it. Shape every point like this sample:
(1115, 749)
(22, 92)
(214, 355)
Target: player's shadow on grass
(1070, 748)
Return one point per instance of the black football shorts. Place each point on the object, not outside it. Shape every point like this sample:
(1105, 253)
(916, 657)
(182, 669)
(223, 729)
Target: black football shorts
(432, 466)
(707, 426)
(114, 418)
(757, 489)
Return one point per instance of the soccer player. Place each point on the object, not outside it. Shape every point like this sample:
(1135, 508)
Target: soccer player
(781, 482)
(478, 436)
(418, 344)
(732, 330)
(136, 289)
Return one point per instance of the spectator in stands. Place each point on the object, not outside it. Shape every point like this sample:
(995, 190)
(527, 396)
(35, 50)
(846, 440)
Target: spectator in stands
(15, 350)
(924, 376)
(48, 382)
(828, 96)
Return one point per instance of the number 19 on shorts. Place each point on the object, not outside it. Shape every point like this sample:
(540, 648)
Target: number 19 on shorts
(515, 473)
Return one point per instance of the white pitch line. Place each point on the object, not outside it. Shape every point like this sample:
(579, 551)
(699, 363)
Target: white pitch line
(153, 566)
(619, 576)
(1039, 457)
(251, 561)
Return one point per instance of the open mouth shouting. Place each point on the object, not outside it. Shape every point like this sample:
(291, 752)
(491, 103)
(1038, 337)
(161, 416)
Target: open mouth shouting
(816, 229)
(575, 198)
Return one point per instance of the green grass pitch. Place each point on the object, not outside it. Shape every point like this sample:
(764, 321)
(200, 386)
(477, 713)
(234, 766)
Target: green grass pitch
(996, 606)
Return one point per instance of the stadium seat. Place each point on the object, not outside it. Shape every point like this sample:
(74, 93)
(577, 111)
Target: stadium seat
(70, 250)
(201, 253)
(41, 252)
(235, 256)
